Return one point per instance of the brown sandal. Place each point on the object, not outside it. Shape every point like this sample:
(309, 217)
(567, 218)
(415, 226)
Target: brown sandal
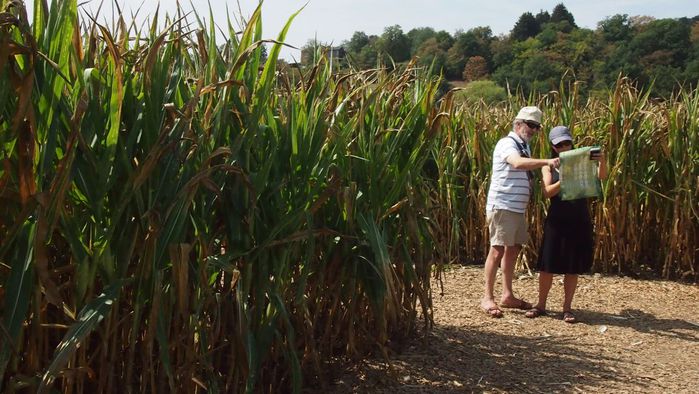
(569, 317)
(493, 311)
(519, 304)
(534, 313)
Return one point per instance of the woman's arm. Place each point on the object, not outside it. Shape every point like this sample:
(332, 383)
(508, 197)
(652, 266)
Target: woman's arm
(550, 188)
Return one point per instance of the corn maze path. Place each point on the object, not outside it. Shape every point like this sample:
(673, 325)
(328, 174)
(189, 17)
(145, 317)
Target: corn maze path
(632, 336)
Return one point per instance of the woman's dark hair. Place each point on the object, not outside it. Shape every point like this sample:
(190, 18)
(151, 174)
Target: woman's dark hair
(554, 154)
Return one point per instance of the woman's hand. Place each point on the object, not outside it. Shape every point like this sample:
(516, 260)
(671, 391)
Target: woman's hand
(598, 157)
(602, 168)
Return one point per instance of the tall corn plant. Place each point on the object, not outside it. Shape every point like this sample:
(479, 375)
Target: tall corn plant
(181, 216)
(647, 217)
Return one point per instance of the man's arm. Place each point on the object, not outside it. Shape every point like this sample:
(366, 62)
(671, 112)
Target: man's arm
(526, 163)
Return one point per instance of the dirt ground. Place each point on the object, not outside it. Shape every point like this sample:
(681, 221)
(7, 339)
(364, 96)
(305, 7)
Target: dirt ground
(632, 336)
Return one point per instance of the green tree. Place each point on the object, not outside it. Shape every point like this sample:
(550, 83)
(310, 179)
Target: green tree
(394, 43)
(358, 41)
(691, 72)
(542, 17)
(431, 54)
(442, 39)
(418, 36)
(615, 28)
(646, 50)
(561, 14)
(501, 50)
(662, 49)
(369, 56)
(532, 68)
(445, 40)
(576, 54)
(474, 42)
(526, 27)
(548, 36)
(543, 73)
(361, 50)
(614, 34)
(670, 36)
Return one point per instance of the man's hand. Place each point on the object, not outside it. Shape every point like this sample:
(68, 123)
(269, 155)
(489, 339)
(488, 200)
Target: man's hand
(554, 163)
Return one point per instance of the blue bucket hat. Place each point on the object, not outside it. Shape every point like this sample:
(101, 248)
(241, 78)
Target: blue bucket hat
(559, 134)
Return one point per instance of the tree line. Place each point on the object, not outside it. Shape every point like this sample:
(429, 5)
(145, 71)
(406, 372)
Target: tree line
(539, 50)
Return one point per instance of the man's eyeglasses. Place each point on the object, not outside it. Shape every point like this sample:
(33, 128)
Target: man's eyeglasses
(563, 144)
(532, 125)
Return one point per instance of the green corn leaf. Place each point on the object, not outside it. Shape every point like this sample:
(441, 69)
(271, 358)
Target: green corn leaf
(88, 320)
(19, 287)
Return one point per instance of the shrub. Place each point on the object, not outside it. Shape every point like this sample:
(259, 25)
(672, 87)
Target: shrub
(485, 90)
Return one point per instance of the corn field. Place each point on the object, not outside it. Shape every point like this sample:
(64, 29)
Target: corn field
(177, 213)
(648, 218)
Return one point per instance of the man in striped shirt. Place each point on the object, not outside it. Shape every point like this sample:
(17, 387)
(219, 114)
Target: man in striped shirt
(508, 197)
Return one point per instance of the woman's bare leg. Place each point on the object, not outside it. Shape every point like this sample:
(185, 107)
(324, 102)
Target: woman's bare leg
(545, 281)
(570, 283)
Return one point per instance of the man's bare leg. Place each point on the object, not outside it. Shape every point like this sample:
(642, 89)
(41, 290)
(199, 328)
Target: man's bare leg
(508, 271)
(492, 262)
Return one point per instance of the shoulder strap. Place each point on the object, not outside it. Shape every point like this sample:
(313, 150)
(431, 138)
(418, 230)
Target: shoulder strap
(520, 147)
(523, 152)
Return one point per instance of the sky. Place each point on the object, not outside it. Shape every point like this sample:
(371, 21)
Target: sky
(334, 21)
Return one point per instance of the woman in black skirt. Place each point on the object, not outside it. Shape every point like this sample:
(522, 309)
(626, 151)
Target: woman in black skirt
(567, 246)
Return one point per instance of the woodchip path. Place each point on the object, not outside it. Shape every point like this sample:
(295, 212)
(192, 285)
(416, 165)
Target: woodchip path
(632, 336)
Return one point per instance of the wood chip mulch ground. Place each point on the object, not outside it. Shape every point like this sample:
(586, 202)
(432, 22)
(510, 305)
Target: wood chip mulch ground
(632, 336)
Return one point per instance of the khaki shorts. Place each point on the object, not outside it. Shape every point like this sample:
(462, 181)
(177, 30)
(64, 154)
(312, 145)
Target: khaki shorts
(507, 228)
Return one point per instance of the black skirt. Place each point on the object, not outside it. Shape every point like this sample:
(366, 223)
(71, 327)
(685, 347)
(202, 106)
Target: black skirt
(567, 246)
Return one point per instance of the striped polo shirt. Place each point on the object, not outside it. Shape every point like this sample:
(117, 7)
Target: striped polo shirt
(509, 187)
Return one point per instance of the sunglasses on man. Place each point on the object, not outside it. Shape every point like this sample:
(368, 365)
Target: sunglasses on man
(532, 125)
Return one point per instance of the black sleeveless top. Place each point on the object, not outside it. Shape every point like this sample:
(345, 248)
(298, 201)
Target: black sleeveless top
(567, 246)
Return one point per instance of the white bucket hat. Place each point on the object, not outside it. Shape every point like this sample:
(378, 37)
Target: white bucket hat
(531, 113)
